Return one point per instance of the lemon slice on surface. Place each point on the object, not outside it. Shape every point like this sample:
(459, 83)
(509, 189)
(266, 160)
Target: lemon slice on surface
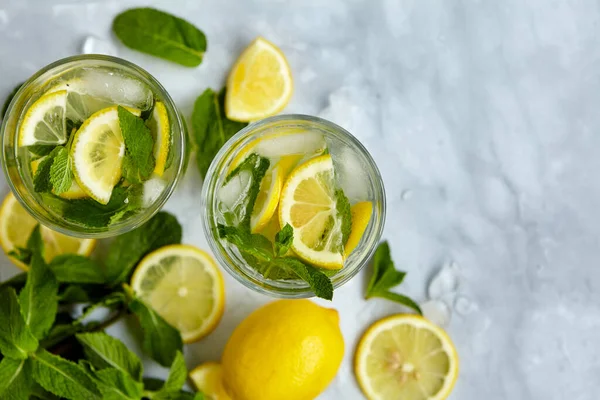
(97, 154)
(161, 131)
(406, 357)
(208, 379)
(16, 225)
(45, 121)
(308, 203)
(361, 215)
(183, 284)
(260, 83)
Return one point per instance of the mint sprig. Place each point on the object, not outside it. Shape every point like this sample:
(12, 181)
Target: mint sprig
(138, 163)
(385, 276)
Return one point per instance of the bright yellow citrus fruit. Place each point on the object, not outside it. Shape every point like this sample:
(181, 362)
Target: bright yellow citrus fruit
(260, 83)
(287, 349)
(309, 205)
(183, 284)
(16, 225)
(208, 379)
(161, 131)
(45, 121)
(361, 215)
(406, 357)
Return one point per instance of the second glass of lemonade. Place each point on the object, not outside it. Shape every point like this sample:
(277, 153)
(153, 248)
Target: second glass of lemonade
(293, 189)
(92, 146)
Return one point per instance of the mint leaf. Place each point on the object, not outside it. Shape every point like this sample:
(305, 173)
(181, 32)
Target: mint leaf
(61, 175)
(138, 163)
(283, 240)
(161, 340)
(177, 374)
(211, 127)
(9, 98)
(385, 276)
(41, 179)
(41, 150)
(73, 294)
(127, 249)
(63, 378)
(75, 268)
(253, 244)
(15, 379)
(16, 340)
(161, 34)
(35, 243)
(39, 297)
(342, 205)
(115, 384)
(318, 282)
(104, 351)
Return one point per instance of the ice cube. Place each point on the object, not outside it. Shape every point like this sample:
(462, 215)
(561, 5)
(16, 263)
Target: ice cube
(437, 312)
(152, 190)
(350, 173)
(464, 306)
(444, 282)
(113, 86)
(302, 142)
(95, 45)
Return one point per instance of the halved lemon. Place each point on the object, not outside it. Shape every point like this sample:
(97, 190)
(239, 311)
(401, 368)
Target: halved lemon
(260, 83)
(97, 154)
(74, 192)
(183, 284)
(16, 225)
(361, 215)
(161, 131)
(208, 379)
(45, 121)
(406, 357)
(308, 203)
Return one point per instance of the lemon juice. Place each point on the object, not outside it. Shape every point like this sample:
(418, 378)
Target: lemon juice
(97, 145)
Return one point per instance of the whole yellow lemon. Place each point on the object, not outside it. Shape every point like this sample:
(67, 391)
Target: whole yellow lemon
(285, 350)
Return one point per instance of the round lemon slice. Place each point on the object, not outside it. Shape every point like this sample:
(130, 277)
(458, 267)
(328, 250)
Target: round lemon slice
(208, 379)
(260, 83)
(308, 203)
(45, 121)
(161, 131)
(97, 154)
(184, 285)
(16, 225)
(406, 357)
(361, 215)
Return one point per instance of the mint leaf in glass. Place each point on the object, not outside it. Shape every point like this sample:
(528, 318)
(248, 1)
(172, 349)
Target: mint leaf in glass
(283, 240)
(61, 174)
(41, 179)
(138, 163)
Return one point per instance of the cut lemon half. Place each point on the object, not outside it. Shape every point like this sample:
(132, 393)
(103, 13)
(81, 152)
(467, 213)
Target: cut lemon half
(74, 192)
(16, 225)
(406, 357)
(161, 131)
(45, 121)
(260, 83)
(184, 285)
(361, 215)
(97, 154)
(308, 203)
(208, 379)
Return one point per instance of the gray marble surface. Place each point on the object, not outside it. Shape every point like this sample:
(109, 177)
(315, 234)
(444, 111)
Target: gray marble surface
(483, 118)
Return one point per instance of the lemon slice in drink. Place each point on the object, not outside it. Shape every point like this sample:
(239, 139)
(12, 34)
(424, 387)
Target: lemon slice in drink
(314, 208)
(161, 131)
(184, 285)
(208, 379)
(361, 215)
(45, 121)
(260, 83)
(406, 357)
(97, 154)
(16, 225)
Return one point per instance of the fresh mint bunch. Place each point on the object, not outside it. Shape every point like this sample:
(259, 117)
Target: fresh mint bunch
(385, 276)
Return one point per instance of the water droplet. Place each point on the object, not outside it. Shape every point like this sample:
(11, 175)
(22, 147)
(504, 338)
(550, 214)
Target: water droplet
(95, 45)
(437, 312)
(464, 306)
(406, 194)
(445, 282)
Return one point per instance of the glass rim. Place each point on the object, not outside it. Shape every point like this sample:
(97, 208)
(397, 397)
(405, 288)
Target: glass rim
(257, 282)
(146, 213)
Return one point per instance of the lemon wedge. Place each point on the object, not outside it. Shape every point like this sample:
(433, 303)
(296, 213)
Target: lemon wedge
(161, 131)
(406, 357)
(260, 83)
(361, 215)
(45, 121)
(208, 379)
(184, 285)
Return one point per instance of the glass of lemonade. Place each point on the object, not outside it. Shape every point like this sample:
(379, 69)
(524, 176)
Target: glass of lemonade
(293, 189)
(92, 146)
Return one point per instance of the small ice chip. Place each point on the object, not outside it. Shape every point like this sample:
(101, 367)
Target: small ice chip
(152, 190)
(437, 312)
(95, 45)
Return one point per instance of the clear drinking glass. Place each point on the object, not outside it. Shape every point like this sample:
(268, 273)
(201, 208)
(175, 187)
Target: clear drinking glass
(92, 84)
(355, 172)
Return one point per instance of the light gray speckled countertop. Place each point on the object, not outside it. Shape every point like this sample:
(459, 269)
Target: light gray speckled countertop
(483, 118)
